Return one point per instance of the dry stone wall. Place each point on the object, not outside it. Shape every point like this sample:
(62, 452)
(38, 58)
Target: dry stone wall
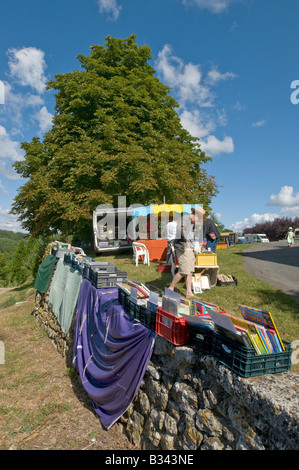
(189, 402)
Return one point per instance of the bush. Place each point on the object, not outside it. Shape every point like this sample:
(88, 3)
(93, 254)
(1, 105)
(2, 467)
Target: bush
(275, 230)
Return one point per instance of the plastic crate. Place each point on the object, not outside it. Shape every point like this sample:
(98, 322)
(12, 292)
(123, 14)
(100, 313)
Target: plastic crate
(148, 318)
(174, 329)
(245, 362)
(108, 279)
(123, 299)
(206, 259)
(109, 267)
(67, 258)
(202, 339)
(226, 281)
(59, 252)
(143, 314)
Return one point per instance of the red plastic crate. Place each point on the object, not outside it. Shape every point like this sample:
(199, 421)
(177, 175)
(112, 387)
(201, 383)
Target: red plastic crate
(174, 329)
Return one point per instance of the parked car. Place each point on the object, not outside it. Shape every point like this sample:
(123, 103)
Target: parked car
(256, 238)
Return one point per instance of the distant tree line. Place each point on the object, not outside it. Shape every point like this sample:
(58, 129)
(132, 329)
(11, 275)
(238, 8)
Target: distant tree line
(20, 257)
(275, 230)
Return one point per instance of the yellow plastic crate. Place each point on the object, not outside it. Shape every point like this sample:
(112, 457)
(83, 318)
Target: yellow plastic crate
(206, 259)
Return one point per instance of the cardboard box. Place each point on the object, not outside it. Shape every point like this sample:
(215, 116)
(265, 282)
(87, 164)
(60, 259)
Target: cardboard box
(206, 259)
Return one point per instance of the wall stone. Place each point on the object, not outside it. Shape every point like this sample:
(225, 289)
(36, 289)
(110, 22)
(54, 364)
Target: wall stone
(190, 402)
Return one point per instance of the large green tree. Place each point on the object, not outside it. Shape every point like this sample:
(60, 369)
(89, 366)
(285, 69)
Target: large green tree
(116, 132)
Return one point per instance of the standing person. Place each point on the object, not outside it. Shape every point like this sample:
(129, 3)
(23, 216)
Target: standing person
(183, 244)
(290, 237)
(211, 233)
(170, 234)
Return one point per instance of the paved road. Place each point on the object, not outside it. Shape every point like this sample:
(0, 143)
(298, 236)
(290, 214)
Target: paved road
(276, 264)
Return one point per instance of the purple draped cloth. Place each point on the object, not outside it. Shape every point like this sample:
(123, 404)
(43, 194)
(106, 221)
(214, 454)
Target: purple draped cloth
(111, 351)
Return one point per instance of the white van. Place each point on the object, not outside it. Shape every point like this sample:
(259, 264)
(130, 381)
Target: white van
(110, 229)
(296, 231)
(256, 238)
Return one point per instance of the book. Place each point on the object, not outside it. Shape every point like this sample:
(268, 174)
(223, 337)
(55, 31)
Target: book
(252, 333)
(225, 326)
(262, 318)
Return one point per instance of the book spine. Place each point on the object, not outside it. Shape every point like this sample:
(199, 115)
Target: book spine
(262, 336)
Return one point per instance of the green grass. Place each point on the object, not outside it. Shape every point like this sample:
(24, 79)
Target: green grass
(17, 294)
(249, 291)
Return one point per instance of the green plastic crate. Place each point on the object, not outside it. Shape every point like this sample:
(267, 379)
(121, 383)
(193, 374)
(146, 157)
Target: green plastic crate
(246, 363)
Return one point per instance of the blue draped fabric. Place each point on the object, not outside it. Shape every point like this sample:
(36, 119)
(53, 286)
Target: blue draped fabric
(111, 351)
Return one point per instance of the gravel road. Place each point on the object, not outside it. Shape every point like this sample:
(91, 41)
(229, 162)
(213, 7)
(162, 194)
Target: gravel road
(276, 264)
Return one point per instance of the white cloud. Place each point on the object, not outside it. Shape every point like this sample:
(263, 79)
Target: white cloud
(253, 220)
(290, 211)
(7, 171)
(214, 6)
(110, 7)
(9, 152)
(285, 197)
(185, 79)
(9, 149)
(260, 123)
(27, 67)
(198, 111)
(2, 188)
(196, 124)
(9, 221)
(214, 76)
(2, 92)
(16, 103)
(213, 146)
(239, 106)
(44, 119)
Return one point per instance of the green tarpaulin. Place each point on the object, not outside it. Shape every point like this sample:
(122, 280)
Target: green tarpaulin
(64, 293)
(44, 274)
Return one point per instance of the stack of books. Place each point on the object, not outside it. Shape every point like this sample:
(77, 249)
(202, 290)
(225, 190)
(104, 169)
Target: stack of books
(256, 329)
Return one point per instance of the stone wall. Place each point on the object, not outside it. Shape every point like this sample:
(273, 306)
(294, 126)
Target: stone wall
(189, 402)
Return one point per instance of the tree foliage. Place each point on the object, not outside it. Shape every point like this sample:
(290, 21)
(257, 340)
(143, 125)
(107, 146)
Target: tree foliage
(275, 230)
(23, 261)
(8, 242)
(115, 133)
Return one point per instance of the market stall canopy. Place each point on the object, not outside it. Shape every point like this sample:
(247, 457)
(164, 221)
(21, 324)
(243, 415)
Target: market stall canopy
(160, 208)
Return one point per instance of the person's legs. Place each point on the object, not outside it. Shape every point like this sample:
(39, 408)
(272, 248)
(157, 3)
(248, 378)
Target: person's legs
(177, 278)
(212, 244)
(188, 278)
(186, 262)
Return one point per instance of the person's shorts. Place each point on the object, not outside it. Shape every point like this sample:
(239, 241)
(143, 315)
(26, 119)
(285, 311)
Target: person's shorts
(186, 260)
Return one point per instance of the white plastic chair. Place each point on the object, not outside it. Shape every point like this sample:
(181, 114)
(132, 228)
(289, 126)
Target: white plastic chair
(139, 249)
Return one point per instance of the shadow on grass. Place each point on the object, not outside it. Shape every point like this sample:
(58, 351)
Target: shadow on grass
(282, 302)
(28, 285)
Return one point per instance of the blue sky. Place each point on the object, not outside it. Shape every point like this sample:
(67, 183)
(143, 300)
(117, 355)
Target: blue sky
(231, 65)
